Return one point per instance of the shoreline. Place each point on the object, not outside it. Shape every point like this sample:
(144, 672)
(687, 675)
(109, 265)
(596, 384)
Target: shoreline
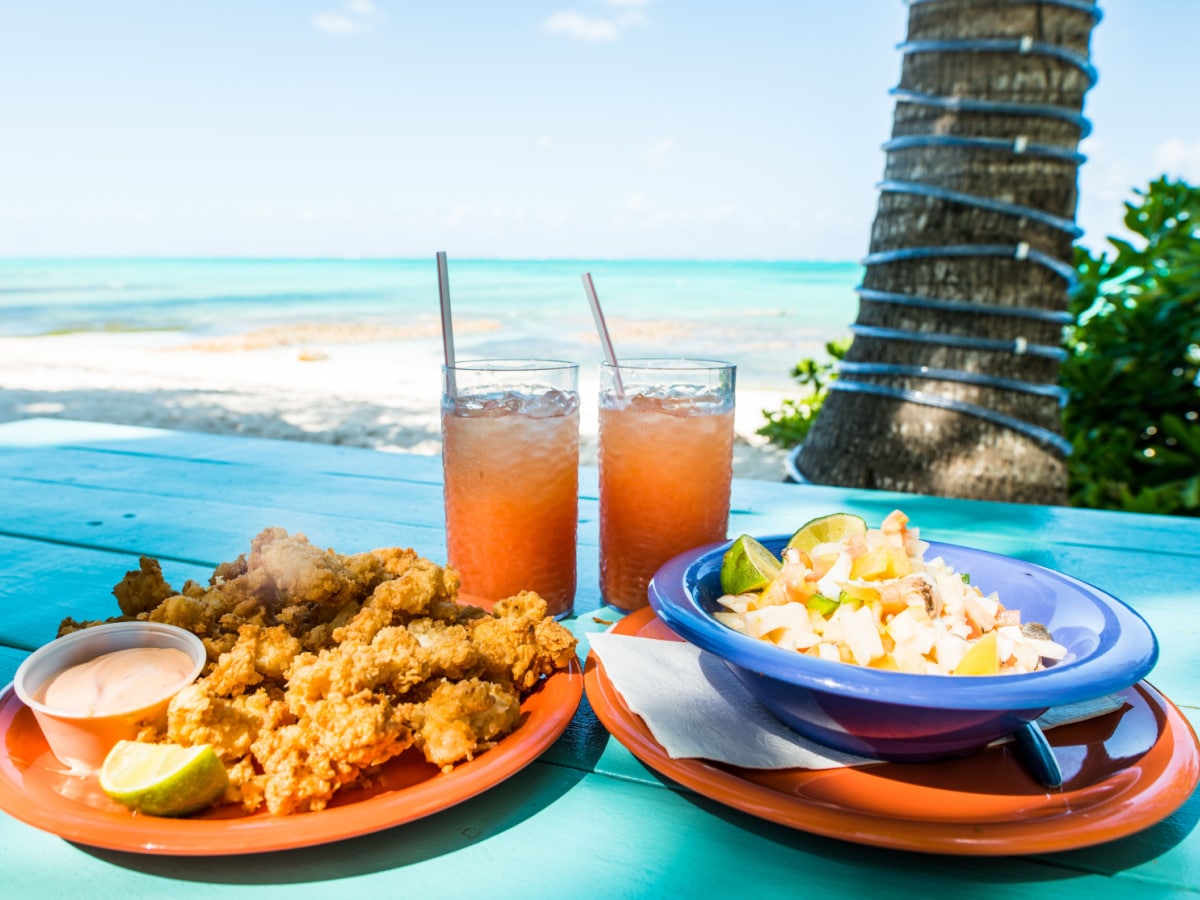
(346, 384)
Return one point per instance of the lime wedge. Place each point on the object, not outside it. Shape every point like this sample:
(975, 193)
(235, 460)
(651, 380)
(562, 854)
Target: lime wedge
(748, 566)
(827, 530)
(163, 779)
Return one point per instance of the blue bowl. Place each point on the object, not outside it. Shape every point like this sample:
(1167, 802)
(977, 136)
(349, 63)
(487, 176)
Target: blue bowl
(904, 717)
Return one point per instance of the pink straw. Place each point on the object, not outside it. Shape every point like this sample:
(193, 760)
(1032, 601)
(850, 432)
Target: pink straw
(447, 323)
(602, 328)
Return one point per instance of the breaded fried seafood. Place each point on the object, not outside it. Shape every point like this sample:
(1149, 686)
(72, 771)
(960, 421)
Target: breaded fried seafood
(322, 667)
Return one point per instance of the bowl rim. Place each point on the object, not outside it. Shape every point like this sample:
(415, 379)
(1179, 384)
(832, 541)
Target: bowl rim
(27, 694)
(1117, 664)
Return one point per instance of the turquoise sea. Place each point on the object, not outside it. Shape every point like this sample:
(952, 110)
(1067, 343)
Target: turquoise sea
(761, 315)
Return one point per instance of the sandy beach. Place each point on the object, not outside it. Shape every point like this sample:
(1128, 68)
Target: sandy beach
(359, 386)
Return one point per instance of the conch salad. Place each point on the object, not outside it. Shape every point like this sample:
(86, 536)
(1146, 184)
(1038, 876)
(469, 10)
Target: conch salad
(870, 597)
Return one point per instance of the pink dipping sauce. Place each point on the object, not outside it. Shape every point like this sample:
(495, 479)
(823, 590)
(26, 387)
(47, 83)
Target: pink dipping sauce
(117, 682)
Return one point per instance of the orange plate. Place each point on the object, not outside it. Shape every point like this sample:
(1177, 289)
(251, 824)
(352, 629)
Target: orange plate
(407, 788)
(1123, 772)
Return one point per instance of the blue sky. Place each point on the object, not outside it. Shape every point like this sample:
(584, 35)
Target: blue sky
(505, 128)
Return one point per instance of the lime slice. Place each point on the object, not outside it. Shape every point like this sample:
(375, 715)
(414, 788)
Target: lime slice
(747, 566)
(163, 779)
(827, 530)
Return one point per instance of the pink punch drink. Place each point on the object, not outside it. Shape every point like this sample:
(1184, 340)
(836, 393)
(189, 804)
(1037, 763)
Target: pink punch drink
(666, 463)
(510, 459)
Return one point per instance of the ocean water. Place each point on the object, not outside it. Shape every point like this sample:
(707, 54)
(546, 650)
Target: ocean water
(763, 316)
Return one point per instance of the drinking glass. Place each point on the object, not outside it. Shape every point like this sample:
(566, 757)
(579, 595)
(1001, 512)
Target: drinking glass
(510, 460)
(666, 463)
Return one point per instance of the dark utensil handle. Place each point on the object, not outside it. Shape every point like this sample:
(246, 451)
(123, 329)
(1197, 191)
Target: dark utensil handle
(1038, 756)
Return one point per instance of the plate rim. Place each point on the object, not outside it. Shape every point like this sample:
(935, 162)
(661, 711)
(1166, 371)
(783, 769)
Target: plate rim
(551, 706)
(1097, 823)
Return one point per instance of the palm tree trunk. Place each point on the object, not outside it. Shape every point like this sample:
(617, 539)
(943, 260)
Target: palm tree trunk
(949, 387)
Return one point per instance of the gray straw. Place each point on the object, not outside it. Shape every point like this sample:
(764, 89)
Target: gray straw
(447, 324)
(602, 328)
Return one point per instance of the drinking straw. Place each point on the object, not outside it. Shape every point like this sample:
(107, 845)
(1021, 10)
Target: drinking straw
(447, 323)
(602, 328)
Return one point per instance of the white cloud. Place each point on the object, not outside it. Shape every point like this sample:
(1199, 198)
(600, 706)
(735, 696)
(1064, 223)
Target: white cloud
(1178, 159)
(658, 153)
(635, 203)
(581, 27)
(335, 23)
(354, 17)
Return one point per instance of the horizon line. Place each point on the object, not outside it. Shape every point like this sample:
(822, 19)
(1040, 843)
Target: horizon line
(63, 257)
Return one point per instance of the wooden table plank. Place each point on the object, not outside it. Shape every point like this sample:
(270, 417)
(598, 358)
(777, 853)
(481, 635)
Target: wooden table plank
(515, 841)
(203, 532)
(42, 583)
(265, 483)
(771, 507)
(43, 434)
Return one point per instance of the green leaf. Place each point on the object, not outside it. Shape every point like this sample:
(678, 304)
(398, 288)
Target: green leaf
(1133, 406)
(789, 425)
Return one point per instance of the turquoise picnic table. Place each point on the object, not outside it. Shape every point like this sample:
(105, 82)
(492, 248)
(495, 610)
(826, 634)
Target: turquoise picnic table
(80, 502)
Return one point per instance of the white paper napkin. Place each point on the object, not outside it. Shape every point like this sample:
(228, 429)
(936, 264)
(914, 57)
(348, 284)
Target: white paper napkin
(696, 708)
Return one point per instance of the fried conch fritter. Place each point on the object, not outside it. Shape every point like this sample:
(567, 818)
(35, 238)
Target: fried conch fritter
(322, 667)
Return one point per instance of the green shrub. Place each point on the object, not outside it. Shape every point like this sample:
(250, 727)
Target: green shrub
(788, 426)
(1133, 401)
